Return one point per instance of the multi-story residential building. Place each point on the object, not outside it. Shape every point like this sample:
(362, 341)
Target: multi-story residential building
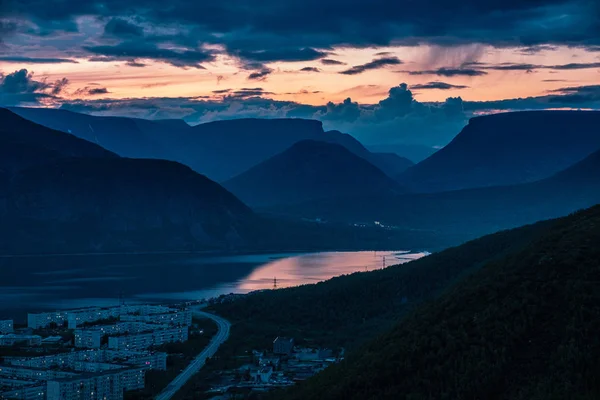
(42, 320)
(11, 338)
(142, 341)
(91, 337)
(88, 338)
(144, 309)
(283, 345)
(178, 318)
(19, 389)
(107, 385)
(152, 360)
(7, 326)
(39, 374)
(75, 318)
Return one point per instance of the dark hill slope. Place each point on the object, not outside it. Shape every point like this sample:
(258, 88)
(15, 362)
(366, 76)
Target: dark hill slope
(310, 170)
(123, 203)
(128, 137)
(20, 131)
(523, 327)
(507, 149)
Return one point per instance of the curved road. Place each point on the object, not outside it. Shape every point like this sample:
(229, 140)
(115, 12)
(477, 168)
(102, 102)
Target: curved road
(200, 360)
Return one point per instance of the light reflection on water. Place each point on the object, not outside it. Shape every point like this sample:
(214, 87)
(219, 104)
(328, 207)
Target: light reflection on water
(294, 270)
(82, 281)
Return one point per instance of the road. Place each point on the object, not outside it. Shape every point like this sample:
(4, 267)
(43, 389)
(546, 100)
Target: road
(200, 360)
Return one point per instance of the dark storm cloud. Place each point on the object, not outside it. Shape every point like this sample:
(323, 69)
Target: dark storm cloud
(437, 85)
(35, 60)
(375, 64)
(298, 30)
(448, 72)
(260, 75)
(127, 51)
(310, 69)
(222, 91)
(119, 27)
(329, 61)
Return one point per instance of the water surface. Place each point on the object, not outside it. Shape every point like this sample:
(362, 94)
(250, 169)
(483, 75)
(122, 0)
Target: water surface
(59, 282)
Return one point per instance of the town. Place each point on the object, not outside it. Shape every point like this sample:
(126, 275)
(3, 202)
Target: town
(140, 352)
(94, 353)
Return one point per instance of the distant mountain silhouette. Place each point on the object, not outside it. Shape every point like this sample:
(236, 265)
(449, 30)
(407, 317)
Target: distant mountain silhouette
(59, 193)
(506, 149)
(310, 170)
(219, 150)
(470, 211)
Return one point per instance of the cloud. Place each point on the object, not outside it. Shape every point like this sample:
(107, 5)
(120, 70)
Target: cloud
(438, 85)
(132, 50)
(507, 66)
(20, 87)
(287, 54)
(577, 94)
(448, 72)
(260, 75)
(310, 69)
(35, 60)
(245, 93)
(119, 27)
(329, 61)
(375, 64)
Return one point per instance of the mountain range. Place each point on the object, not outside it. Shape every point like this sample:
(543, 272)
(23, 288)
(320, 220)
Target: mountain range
(220, 150)
(59, 193)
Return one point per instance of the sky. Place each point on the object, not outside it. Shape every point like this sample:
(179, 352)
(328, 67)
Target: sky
(389, 72)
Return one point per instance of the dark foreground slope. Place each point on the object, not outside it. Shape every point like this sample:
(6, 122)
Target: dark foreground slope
(522, 327)
(348, 310)
(310, 170)
(508, 149)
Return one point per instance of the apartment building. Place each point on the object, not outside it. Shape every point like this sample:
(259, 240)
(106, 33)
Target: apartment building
(146, 340)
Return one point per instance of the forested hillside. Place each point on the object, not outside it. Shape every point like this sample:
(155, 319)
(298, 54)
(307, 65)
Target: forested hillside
(525, 326)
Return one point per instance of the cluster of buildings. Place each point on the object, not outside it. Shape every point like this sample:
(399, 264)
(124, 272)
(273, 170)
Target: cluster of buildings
(284, 365)
(112, 350)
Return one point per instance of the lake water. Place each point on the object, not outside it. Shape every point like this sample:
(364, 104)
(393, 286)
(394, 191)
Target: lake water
(29, 284)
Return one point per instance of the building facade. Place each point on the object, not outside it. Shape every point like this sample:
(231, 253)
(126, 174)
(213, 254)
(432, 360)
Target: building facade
(11, 339)
(283, 345)
(7, 326)
(152, 360)
(146, 340)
